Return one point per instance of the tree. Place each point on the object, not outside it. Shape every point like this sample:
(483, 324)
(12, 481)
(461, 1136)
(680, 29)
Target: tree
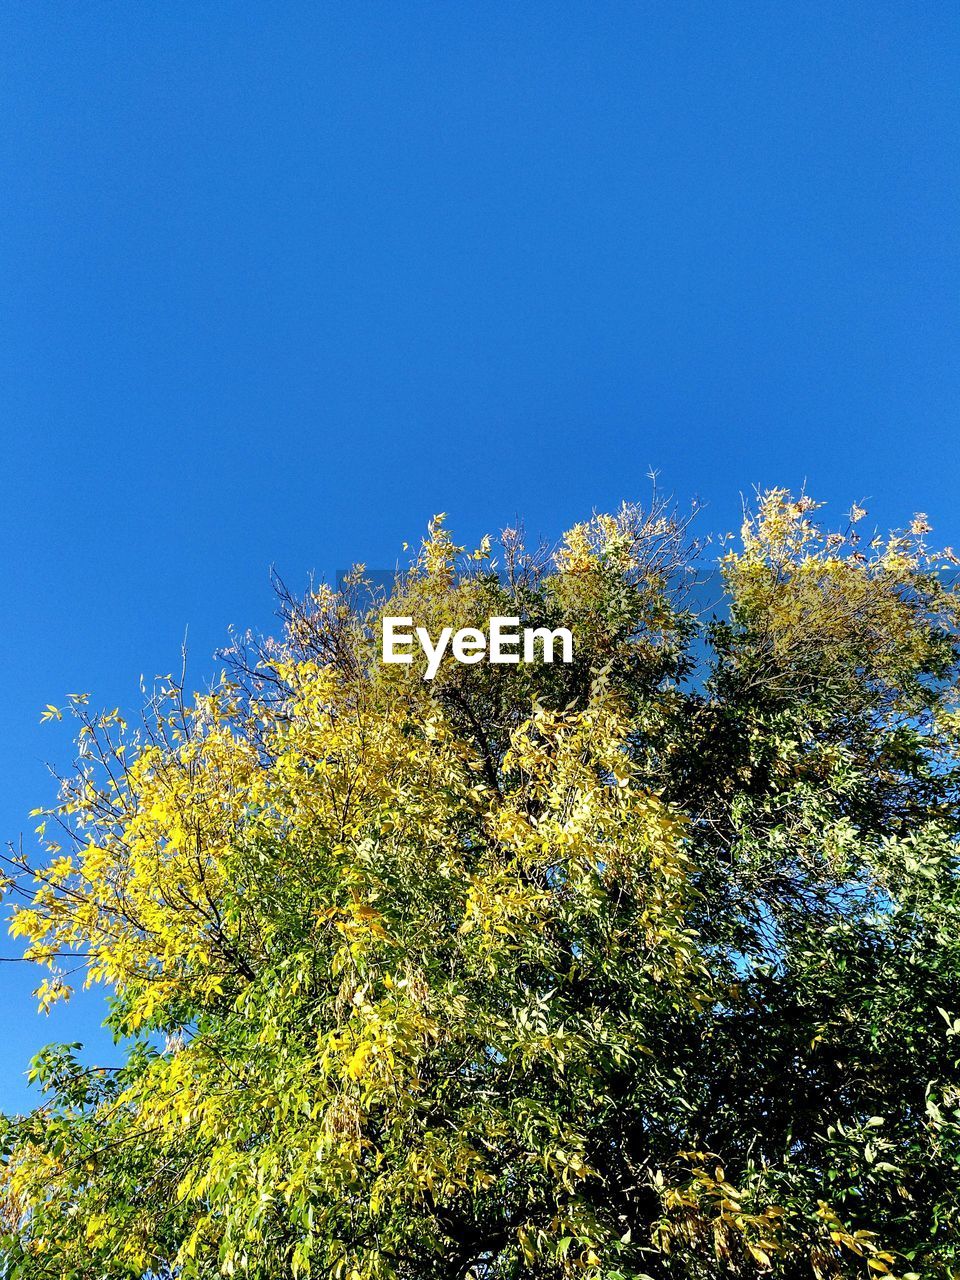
(645, 965)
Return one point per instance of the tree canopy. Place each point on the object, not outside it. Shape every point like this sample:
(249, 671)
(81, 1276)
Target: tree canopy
(641, 966)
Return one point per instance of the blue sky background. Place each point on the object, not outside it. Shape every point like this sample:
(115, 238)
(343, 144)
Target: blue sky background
(277, 282)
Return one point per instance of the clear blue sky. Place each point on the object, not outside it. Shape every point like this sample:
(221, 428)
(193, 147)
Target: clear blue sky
(280, 281)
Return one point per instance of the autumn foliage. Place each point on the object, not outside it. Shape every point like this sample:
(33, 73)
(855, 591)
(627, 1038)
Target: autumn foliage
(646, 965)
